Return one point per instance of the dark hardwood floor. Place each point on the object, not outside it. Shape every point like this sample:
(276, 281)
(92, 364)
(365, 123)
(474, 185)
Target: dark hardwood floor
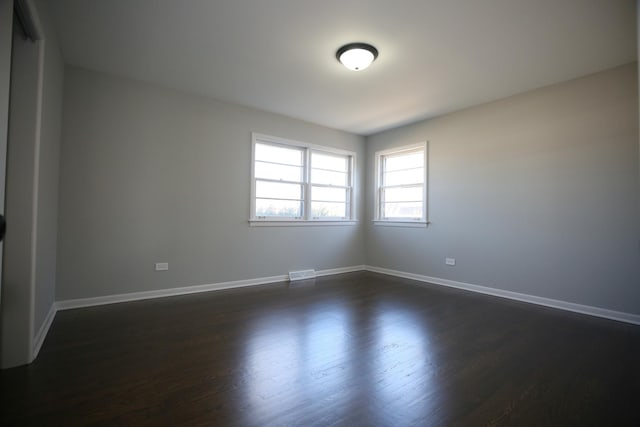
(353, 349)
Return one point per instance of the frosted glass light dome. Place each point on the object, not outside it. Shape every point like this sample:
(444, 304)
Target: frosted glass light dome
(357, 56)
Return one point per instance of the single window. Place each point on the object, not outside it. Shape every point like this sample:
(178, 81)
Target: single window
(401, 185)
(293, 182)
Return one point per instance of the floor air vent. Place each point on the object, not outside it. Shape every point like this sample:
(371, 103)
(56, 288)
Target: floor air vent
(301, 275)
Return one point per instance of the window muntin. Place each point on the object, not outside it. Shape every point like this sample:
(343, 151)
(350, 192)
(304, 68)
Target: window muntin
(279, 177)
(330, 192)
(299, 182)
(401, 184)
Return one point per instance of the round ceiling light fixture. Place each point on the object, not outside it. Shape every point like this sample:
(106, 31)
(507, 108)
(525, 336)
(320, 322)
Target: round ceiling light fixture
(357, 56)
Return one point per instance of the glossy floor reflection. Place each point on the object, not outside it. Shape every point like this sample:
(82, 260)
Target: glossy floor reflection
(328, 351)
(353, 349)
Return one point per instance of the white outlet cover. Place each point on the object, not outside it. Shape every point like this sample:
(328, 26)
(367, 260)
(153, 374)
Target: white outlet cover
(162, 266)
(450, 261)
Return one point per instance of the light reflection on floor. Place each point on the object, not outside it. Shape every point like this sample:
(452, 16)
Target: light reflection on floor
(402, 368)
(324, 350)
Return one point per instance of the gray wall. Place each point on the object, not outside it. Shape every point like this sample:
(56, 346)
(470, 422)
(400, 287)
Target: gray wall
(153, 175)
(17, 280)
(537, 194)
(28, 291)
(48, 162)
(6, 16)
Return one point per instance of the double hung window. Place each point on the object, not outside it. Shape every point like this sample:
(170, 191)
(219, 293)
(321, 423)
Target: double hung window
(293, 182)
(401, 185)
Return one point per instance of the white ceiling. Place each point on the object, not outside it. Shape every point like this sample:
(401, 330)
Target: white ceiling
(435, 56)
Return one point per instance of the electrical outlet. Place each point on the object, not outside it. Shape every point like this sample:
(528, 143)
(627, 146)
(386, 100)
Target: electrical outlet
(450, 261)
(162, 266)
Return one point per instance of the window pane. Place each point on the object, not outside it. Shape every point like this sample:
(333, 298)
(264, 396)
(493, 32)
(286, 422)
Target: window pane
(297, 181)
(277, 190)
(278, 208)
(329, 194)
(278, 172)
(334, 163)
(328, 177)
(404, 161)
(403, 177)
(403, 194)
(402, 210)
(328, 210)
(277, 154)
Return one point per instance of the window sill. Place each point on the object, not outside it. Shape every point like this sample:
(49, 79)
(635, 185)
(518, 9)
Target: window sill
(299, 223)
(413, 224)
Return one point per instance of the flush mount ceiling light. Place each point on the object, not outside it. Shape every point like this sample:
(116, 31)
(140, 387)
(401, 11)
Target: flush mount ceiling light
(357, 56)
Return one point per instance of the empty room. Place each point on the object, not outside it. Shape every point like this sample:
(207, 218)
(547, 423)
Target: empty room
(319, 213)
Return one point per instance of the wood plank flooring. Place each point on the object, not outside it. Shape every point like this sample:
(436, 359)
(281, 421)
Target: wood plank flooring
(358, 349)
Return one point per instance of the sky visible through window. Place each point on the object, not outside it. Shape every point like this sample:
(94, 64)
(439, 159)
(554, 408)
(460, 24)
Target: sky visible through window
(284, 181)
(402, 185)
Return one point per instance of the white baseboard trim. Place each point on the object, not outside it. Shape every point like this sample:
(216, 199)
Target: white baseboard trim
(340, 270)
(136, 296)
(161, 293)
(532, 299)
(38, 340)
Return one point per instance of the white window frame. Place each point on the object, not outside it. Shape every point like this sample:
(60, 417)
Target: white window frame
(378, 219)
(306, 219)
